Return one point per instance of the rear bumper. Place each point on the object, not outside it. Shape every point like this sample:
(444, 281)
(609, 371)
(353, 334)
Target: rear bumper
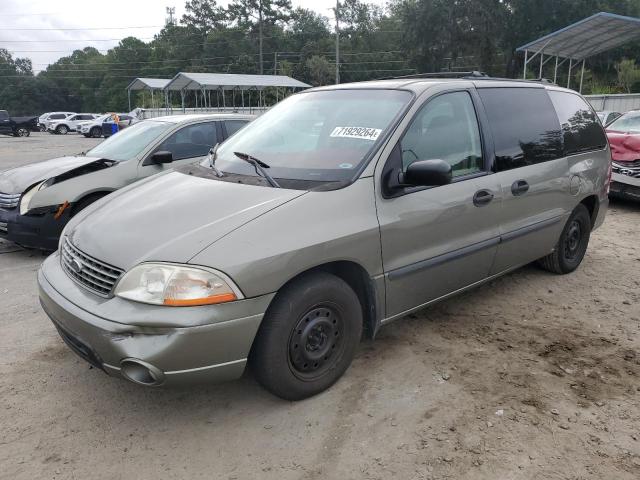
(34, 231)
(624, 186)
(209, 352)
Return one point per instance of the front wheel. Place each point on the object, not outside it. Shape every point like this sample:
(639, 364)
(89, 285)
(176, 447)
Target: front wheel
(95, 132)
(308, 336)
(22, 132)
(573, 243)
(62, 129)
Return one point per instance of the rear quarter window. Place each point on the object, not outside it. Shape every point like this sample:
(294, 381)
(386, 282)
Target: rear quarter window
(581, 129)
(524, 125)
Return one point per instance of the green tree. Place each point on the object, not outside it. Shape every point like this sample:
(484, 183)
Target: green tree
(203, 15)
(320, 70)
(246, 12)
(628, 74)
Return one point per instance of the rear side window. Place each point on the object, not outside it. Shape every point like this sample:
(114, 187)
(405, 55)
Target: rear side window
(57, 116)
(581, 129)
(524, 124)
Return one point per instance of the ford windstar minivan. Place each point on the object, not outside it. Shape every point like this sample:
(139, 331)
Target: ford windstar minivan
(339, 210)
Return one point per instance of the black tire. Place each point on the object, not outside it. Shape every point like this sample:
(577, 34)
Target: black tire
(85, 202)
(308, 336)
(22, 132)
(573, 243)
(95, 132)
(62, 129)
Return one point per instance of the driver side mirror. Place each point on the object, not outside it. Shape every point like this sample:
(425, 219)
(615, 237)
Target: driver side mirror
(161, 157)
(426, 173)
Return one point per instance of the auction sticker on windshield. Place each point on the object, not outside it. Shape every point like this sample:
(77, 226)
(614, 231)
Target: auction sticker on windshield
(364, 133)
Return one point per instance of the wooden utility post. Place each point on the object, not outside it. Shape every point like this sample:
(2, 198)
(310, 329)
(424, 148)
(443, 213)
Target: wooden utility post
(337, 42)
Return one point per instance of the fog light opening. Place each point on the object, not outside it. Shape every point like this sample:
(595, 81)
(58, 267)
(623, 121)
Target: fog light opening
(141, 372)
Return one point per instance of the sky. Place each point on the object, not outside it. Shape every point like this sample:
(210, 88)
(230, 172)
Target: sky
(44, 30)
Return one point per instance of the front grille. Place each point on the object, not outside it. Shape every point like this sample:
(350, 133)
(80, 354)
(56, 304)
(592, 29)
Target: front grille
(4, 227)
(9, 200)
(631, 169)
(92, 274)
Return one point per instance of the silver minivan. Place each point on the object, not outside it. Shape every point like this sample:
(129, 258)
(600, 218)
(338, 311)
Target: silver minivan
(339, 210)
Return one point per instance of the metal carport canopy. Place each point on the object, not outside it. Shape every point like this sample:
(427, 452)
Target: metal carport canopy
(230, 81)
(149, 84)
(595, 34)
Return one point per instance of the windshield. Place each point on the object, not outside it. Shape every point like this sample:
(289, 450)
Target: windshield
(129, 142)
(629, 122)
(321, 136)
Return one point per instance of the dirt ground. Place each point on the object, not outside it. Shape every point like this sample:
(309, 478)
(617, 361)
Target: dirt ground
(533, 376)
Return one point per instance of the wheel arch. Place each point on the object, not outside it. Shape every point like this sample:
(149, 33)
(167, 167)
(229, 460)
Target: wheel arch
(95, 195)
(592, 204)
(357, 277)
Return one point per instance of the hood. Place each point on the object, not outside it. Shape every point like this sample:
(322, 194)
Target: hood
(17, 180)
(625, 147)
(169, 218)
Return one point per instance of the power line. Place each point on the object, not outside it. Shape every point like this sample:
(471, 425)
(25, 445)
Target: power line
(9, 29)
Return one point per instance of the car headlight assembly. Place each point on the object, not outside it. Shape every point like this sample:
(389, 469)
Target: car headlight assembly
(176, 285)
(28, 195)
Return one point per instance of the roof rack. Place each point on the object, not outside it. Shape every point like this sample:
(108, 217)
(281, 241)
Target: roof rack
(474, 74)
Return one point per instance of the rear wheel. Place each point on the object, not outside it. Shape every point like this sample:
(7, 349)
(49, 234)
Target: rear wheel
(573, 243)
(308, 337)
(95, 132)
(62, 129)
(22, 132)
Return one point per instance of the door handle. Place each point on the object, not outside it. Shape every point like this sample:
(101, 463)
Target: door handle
(519, 187)
(482, 198)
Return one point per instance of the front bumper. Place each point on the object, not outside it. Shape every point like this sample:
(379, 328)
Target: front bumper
(212, 346)
(33, 231)
(625, 186)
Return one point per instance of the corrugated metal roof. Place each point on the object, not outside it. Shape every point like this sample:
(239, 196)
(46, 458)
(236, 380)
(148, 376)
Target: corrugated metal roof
(595, 34)
(229, 81)
(149, 83)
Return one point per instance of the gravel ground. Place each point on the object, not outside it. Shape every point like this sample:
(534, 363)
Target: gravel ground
(533, 376)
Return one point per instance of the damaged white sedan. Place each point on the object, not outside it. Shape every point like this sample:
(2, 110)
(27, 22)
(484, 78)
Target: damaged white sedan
(37, 200)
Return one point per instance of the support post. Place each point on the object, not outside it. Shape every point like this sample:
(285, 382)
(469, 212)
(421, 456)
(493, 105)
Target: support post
(224, 101)
(526, 59)
(541, 64)
(582, 75)
(153, 105)
(182, 96)
(129, 96)
(555, 71)
(569, 76)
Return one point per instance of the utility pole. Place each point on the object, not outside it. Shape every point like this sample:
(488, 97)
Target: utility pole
(171, 12)
(337, 12)
(260, 32)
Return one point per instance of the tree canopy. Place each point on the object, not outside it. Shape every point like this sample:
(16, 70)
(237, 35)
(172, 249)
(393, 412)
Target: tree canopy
(271, 36)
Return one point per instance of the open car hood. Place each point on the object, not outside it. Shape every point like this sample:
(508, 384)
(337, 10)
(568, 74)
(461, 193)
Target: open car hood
(17, 180)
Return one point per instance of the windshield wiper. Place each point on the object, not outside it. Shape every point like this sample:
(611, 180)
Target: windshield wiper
(213, 156)
(259, 165)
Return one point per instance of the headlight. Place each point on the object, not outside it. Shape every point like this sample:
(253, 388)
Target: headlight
(175, 285)
(28, 195)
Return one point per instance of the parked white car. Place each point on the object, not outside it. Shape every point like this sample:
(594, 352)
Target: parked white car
(46, 118)
(70, 124)
(94, 128)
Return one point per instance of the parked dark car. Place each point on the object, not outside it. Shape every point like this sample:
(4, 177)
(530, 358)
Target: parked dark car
(17, 126)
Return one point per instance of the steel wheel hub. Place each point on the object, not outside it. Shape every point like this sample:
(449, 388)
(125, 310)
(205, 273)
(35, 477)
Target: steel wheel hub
(574, 237)
(314, 341)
